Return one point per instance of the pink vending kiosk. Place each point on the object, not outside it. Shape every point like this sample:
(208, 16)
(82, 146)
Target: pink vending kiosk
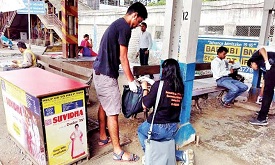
(46, 115)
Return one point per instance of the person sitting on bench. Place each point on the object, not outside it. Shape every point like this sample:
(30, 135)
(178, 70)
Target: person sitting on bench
(221, 74)
(29, 59)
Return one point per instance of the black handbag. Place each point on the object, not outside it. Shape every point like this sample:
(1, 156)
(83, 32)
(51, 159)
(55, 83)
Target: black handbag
(131, 101)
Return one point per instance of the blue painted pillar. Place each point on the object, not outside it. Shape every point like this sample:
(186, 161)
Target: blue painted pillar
(181, 28)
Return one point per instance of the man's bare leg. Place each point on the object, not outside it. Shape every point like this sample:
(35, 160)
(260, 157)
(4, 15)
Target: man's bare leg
(102, 119)
(113, 127)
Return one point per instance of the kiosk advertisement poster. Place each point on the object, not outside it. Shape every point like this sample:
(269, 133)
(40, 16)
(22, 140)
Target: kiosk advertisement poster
(65, 126)
(239, 50)
(24, 120)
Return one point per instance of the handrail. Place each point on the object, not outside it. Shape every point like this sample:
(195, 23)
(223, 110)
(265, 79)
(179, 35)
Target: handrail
(8, 21)
(53, 20)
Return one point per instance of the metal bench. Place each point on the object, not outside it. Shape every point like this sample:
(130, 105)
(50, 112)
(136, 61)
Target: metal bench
(204, 83)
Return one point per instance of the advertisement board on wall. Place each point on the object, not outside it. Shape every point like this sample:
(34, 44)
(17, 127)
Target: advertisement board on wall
(239, 49)
(23, 120)
(65, 126)
(36, 7)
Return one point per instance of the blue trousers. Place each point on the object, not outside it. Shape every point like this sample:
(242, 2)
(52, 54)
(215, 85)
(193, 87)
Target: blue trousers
(235, 88)
(161, 132)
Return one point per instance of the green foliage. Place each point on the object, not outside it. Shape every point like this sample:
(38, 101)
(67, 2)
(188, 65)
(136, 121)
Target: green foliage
(159, 3)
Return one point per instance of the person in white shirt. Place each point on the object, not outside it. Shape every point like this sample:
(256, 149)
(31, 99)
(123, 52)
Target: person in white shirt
(221, 74)
(145, 44)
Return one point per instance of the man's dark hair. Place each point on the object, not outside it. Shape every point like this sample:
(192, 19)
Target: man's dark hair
(144, 24)
(221, 49)
(139, 8)
(249, 62)
(256, 57)
(86, 35)
(21, 44)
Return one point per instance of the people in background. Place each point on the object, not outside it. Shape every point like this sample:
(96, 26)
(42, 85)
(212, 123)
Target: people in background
(87, 50)
(145, 44)
(113, 51)
(29, 59)
(265, 61)
(5, 41)
(221, 74)
(166, 120)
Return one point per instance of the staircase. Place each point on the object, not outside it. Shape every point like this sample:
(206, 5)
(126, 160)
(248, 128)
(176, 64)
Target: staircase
(8, 22)
(52, 22)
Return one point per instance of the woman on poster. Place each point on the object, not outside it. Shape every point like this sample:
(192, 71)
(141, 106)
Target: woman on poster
(77, 144)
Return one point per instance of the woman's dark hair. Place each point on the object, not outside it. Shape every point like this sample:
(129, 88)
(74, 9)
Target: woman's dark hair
(86, 35)
(76, 125)
(21, 44)
(171, 73)
(139, 8)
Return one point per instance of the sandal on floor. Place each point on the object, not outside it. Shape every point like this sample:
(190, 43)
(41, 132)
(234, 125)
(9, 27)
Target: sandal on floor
(104, 142)
(118, 157)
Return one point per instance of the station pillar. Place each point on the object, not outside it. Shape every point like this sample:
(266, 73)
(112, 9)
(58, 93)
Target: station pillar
(181, 37)
(69, 11)
(264, 38)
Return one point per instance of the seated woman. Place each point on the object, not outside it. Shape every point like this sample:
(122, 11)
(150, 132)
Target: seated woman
(166, 120)
(87, 50)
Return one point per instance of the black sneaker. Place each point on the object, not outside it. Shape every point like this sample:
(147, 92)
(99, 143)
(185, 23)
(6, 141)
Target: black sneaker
(226, 105)
(257, 113)
(258, 122)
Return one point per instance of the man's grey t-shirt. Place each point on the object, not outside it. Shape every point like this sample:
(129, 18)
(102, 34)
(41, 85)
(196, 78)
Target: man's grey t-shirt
(107, 61)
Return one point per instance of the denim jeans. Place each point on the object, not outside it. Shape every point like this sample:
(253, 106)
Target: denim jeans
(161, 132)
(235, 87)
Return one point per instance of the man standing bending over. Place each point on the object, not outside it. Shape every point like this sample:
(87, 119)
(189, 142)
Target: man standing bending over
(221, 74)
(113, 50)
(264, 60)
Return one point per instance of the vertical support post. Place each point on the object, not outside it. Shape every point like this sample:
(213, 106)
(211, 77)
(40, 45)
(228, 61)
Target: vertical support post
(69, 12)
(264, 33)
(29, 23)
(181, 34)
(51, 38)
(263, 40)
(267, 14)
(171, 30)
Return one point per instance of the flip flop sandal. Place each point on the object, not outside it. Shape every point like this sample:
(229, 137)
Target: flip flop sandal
(118, 157)
(104, 142)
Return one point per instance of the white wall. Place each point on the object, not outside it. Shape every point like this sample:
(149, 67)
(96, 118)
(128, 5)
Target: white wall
(232, 12)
